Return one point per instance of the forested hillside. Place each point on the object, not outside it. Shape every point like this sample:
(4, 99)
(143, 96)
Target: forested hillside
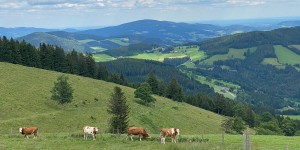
(268, 71)
(137, 70)
(221, 45)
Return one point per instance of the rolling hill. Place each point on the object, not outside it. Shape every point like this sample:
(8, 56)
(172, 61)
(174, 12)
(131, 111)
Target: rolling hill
(146, 31)
(25, 101)
(264, 64)
(66, 42)
(168, 32)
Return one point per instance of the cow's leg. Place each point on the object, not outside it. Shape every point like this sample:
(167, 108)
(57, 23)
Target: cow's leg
(94, 137)
(161, 139)
(26, 136)
(131, 137)
(140, 137)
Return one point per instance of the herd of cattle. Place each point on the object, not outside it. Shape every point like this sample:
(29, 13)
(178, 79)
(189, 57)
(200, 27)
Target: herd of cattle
(139, 131)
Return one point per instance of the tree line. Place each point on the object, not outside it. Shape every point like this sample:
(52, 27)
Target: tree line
(52, 57)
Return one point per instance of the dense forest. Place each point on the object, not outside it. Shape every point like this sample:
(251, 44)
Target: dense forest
(263, 86)
(137, 70)
(221, 45)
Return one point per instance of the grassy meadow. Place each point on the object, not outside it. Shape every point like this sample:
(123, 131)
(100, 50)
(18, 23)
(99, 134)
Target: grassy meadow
(75, 141)
(232, 54)
(286, 56)
(178, 52)
(25, 101)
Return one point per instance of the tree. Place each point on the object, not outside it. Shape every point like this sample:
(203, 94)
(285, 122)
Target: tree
(144, 93)
(153, 82)
(62, 92)
(102, 72)
(288, 127)
(119, 110)
(235, 124)
(174, 91)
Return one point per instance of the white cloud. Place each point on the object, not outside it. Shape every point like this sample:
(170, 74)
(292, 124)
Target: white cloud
(247, 2)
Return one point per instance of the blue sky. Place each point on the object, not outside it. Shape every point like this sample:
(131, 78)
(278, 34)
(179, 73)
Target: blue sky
(86, 13)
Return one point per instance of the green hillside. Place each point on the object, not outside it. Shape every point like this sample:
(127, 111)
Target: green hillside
(25, 101)
(67, 44)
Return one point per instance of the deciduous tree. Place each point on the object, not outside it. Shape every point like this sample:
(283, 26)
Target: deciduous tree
(62, 92)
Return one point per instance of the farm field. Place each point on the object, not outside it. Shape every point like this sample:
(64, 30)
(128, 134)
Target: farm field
(75, 141)
(274, 62)
(232, 54)
(178, 52)
(102, 57)
(286, 56)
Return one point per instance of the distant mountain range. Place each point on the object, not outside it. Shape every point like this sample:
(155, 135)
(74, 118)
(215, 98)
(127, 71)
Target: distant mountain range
(142, 31)
(146, 31)
(22, 31)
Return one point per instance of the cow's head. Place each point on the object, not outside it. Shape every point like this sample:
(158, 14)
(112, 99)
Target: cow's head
(95, 130)
(178, 131)
(145, 135)
(20, 130)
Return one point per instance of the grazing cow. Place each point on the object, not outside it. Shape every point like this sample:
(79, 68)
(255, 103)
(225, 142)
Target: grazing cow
(168, 132)
(89, 130)
(29, 131)
(141, 132)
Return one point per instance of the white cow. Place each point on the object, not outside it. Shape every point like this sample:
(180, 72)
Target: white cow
(169, 132)
(89, 130)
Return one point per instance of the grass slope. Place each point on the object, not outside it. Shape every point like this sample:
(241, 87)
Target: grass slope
(286, 56)
(25, 101)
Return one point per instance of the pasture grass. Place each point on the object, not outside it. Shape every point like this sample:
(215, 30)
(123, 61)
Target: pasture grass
(98, 48)
(211, 83)
(232, 54)
(274, 62)
(218, 88)
(85, 41)
(178, 52)
(295, 46)
(25, 100)
(286, 56)
(120, 41)
(295, 117)
(102, 57)
(107, 141)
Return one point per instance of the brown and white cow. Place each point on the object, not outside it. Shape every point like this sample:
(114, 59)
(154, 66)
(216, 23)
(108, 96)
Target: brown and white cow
(89, 130)
(29, 131)
(141, 132)
(169, 132)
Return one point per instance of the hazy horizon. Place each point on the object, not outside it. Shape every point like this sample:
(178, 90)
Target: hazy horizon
(99, 13)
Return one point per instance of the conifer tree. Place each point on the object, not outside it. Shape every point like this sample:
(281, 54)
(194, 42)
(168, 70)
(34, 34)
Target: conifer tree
(174, 91)
(153, 83)
(119, 110)
(102, 72)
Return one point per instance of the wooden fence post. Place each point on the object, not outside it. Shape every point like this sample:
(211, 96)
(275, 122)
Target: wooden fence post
(223, 137)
